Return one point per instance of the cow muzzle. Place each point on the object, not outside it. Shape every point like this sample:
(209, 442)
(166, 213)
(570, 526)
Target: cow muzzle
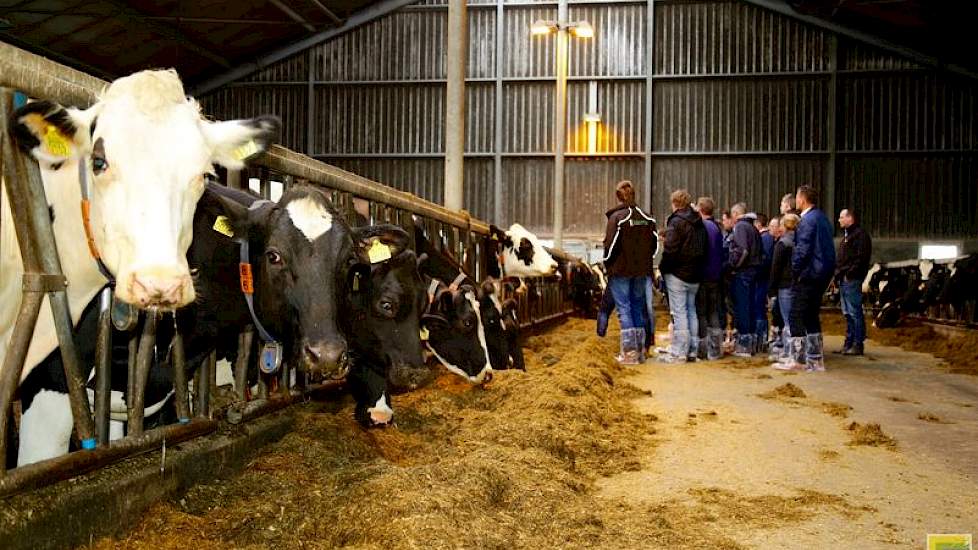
(157, 288)
(329, 359)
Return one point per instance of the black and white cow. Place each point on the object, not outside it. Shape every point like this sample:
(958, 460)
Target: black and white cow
(300, 251)
(520, 254)
(385, 300)
(962, 283)
(145, 151)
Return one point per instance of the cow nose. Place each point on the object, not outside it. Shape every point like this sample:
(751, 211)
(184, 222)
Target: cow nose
(328, 357)
(153, 290)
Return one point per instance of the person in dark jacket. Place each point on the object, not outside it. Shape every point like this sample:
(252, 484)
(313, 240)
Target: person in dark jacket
(745, 259)
(708, 297)
(683, 253)
(813, 265)
(774, 340)
(761, 286)
(781, 280)
(855, 251)
(630, 243)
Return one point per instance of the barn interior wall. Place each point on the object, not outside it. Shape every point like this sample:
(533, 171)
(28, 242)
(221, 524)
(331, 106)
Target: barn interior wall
(741, 106)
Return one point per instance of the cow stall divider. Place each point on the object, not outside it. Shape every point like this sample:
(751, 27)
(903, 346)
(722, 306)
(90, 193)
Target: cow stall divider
(360, 200)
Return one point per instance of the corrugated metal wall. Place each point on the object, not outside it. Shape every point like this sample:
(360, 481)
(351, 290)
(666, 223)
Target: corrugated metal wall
(741, 108)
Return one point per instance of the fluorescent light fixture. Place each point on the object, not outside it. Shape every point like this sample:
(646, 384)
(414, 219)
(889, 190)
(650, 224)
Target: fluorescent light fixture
(592, 117)
(582, 29)
(932, 251)
(542, 27)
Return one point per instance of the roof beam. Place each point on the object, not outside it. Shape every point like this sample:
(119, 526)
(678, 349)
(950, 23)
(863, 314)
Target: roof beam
(164, 30)
(329, 13)
(177, 18)
(361, 17)
(783, 8)
(284, 8)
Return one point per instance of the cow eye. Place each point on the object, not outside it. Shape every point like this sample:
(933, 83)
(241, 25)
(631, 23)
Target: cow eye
(274, 257)
(99, 164)
(387, 307)
(468, 323)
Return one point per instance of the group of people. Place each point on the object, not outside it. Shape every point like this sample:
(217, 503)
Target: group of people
(738, 268)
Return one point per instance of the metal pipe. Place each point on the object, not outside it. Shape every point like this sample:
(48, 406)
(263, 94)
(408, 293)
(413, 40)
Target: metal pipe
(831, 128)
(179, 365)
(284, 8)
(205, 375)
(283, 160)
(27, 186)
(40, 77)
(144, 361)
(103, 367)
(497, 160)
(283, 382)
(212, 375)
(243, 412)
(649, 103)
(241, 363)
(456, 57)
(20, 341)
(50, 471)
(560, 123)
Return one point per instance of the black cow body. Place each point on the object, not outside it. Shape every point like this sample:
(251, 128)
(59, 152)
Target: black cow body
(291, 299)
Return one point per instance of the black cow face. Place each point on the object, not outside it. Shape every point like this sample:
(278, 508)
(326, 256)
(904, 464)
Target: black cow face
(455, 333)
(501, 327)
(960, 286)
(300, 254)
(387, 304)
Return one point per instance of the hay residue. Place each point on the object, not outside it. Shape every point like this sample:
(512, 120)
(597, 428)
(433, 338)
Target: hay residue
(511, 465)
(871, 435)
(960, 353)
(828, 455)
(930, 417)
(784, 391)
(840, 410)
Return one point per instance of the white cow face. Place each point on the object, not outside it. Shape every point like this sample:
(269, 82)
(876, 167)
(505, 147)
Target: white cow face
(147, 153)
(524, 256)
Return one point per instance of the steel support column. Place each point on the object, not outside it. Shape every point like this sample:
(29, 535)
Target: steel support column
(457, 46)
(560, 124)
(649, 101)
(497, 157)
(831, 127)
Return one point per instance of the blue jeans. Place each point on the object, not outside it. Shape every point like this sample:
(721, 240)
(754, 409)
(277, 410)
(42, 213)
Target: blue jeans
(682, 307)
(784, 304)
(649, 308)
(760, 309)
(629, 295)
(852, 307)
(742, 294)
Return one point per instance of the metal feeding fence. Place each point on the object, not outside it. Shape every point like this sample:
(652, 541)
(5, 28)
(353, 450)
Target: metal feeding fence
(461, 236)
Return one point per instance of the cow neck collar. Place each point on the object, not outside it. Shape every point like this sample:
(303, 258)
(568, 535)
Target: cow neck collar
(247, 280)
(86, 209)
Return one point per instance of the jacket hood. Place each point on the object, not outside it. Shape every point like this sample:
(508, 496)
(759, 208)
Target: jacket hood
(687, 214)
(621, 206)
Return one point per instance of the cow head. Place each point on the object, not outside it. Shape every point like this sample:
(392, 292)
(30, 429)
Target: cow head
(524, 256)
(145, 152)
(456, 335)
(300, 250)
(387, 297)
(501, 327)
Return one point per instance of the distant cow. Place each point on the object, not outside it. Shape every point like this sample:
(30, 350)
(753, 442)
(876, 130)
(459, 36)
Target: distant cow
(520, 254)
(147, 153)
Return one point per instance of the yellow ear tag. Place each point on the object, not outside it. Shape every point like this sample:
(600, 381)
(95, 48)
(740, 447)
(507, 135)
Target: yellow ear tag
(424, 334)
(55, 143)
(379, 252)
(223, 226)
(246, 150)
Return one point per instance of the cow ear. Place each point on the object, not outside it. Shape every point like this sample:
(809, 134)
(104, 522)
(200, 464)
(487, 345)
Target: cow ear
(233, 142)
(392, 236)
(51, 133)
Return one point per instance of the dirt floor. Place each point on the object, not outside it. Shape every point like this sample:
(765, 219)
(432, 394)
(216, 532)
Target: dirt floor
(579, 452)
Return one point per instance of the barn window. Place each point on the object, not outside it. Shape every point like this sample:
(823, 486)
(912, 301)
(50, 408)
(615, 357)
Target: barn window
(932, 251)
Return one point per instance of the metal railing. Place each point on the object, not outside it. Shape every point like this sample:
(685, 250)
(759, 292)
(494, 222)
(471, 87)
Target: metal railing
(463, 237)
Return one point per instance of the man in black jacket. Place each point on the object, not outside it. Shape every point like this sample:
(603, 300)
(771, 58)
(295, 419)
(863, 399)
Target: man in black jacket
(745, 259)
(683, 254)
(855, 251)
(630, 243)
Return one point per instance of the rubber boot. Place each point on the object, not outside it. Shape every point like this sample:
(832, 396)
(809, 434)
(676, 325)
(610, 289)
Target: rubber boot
(775, 345)
(796, 355)
(785, 356)
(694, 349)
(629, 349)
(814, 362)
(678, 347)
(639, 340)
(744, 345)
(702, 345)
(714, 344)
